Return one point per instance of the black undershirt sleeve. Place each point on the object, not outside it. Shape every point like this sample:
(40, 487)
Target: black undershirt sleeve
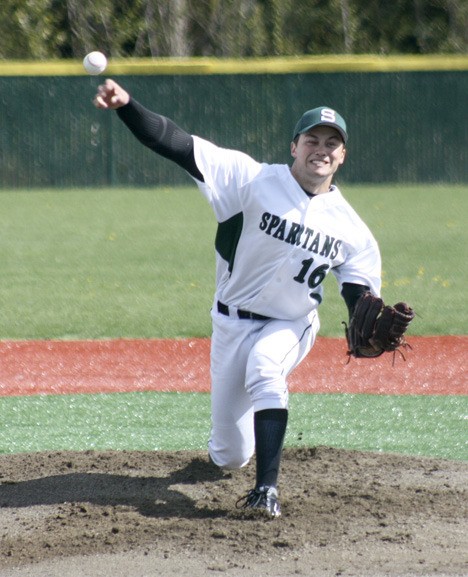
(161, 135)
(351, 293)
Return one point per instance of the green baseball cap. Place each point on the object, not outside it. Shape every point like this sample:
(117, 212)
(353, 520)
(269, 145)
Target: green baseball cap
(321, 116)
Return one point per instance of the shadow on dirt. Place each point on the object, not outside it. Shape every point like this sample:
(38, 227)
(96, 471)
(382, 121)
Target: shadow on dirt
(150, 496)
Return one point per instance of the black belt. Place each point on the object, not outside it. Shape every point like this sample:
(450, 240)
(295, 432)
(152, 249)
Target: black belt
(224, 310)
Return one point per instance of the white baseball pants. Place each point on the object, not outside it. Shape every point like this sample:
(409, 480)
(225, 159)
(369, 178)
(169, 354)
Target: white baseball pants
(250, 363)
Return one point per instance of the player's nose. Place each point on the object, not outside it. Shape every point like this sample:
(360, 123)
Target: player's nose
(320, 149)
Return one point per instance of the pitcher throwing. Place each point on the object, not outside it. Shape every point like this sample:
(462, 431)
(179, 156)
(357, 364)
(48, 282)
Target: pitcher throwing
(281, 230)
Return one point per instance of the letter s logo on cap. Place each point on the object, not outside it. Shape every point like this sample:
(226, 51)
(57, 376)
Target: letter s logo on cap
(327, 115)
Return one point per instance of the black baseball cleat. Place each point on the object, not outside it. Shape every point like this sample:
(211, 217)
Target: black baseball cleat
(263, 498)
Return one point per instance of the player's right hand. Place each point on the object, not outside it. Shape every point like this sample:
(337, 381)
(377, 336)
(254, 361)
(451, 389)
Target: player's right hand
(111, 96)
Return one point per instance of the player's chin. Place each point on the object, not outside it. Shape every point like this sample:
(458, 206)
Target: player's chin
(322, 171)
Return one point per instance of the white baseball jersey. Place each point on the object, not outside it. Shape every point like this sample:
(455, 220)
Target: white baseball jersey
(275, 244)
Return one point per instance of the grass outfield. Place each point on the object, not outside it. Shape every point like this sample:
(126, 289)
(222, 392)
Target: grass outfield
(420, 425)
(87, 264)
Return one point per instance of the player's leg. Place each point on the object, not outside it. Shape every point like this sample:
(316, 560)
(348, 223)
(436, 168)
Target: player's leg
(281, 346)
(231, 443)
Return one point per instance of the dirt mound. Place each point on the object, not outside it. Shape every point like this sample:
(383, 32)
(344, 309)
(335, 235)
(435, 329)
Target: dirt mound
(173, 513)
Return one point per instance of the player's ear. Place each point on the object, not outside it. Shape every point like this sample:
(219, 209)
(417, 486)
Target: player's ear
(293, 149)
(343, 155)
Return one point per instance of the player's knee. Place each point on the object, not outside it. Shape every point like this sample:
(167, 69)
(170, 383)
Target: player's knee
(228, 460)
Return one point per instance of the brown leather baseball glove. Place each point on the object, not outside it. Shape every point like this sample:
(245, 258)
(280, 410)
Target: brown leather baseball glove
(376, 328)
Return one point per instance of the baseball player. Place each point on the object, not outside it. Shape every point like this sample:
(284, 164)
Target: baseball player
(281, 230)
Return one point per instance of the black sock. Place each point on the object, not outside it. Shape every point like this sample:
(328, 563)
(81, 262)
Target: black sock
(270, 429)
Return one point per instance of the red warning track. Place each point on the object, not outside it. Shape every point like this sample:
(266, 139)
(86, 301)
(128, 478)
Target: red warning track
(435, 366)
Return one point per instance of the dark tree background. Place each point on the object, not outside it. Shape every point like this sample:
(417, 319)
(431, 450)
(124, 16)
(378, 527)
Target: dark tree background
(49, 29)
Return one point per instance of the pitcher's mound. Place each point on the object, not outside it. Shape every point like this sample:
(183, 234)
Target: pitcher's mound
(142, 514)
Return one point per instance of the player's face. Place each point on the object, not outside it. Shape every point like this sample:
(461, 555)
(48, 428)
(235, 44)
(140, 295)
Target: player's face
(318, 154)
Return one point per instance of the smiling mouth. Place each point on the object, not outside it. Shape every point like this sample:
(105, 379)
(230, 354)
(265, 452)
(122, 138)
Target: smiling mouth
(319, 163)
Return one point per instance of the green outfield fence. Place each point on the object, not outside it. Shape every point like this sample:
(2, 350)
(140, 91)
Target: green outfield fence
(407, 116)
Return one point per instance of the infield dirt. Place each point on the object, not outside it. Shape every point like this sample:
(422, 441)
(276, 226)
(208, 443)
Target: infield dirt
(131, 514)
(433, 366)
(145, 514)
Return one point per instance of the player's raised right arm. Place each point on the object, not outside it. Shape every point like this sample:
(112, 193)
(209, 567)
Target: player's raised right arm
(155, 131)
(111, 95)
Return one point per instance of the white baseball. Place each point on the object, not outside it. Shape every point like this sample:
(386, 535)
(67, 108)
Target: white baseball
(95, 63)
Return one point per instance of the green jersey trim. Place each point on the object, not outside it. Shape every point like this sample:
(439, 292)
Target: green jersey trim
(227, 238)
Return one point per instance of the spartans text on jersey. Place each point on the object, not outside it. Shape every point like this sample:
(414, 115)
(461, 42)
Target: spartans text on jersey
(300, 235)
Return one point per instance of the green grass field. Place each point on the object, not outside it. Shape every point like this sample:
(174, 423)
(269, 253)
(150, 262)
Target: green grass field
(420, 425)
(89, 264)
(140, 263)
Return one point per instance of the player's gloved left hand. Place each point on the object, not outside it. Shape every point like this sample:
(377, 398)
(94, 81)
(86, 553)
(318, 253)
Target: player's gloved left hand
(376, 328)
